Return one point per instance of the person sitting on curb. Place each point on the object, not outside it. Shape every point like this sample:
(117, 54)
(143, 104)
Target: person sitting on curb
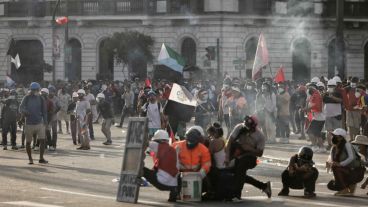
(300, 174)
(165, 172)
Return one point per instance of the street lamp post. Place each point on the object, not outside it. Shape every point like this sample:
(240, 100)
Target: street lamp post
(53, 25)
(340, 44)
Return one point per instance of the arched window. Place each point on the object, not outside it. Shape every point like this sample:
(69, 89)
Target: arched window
(74, 68)
(106, 62)
(189, 51)
(301, 60)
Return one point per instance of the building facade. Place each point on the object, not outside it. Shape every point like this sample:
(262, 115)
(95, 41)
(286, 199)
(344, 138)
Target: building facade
(300, 35)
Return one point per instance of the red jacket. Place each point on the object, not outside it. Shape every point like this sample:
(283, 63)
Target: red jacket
(166, 159)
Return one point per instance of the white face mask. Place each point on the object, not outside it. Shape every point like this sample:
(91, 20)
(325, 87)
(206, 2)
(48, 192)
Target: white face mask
(357, 94)
(330, 90)
(353, 85)
(249, 87)
(281, 90)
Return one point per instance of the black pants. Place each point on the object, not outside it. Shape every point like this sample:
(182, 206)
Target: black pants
(300, 180)
(300, 121)
(90, 126)
(9, 126)
(243, 164)
(151, 176)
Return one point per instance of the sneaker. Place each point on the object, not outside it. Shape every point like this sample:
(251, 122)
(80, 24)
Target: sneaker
(268, 189)
(284, 192)
(36, 148)
(236, 200)
(352, 188)
(309, 194)
(14, 148)
(5, 148)
(79, 148)
(43, 161)
(107, 143)
(51, 148)
(344, 192)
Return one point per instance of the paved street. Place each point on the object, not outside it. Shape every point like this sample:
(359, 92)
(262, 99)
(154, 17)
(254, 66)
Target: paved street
(87, 178)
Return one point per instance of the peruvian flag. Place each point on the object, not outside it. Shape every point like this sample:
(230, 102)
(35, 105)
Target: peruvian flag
(62, 20)
(261, 59)
(280, 75)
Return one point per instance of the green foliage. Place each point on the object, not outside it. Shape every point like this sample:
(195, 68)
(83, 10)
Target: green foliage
(130, 46)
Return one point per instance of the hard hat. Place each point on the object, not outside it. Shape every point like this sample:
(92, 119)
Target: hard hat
(75, 95)
(34, 86)
(81, 91)
(161, 135)
(337, 79)
(193, 137)
(100, 95)
(320, 84)
(315, 80)
(199, 128)
(151, 93)
(45, 90)
(331, 82)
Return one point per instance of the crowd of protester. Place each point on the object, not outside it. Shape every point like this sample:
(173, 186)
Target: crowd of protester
(234, 120)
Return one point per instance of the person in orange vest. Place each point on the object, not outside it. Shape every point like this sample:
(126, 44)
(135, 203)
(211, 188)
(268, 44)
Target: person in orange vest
(193, 156)
(164, 173)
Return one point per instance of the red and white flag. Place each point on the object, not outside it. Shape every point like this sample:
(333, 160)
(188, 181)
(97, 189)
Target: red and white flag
(280, 75)
(261, 60)
(62, 20)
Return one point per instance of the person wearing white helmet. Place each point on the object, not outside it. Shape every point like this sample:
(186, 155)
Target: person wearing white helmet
(332, 100)
(321, 87)
(315, 80)
(165, 172)
(72, 117)
(82, 110)
(105, 110)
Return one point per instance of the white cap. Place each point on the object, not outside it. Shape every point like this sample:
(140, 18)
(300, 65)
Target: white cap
(100, 95)
(81, 91)
(75, 95)
(161, 135)
(337, 79)
(199, 128)
(45, 90)
(315, 80)
(331, 82)
(339, 132)
(320, 84)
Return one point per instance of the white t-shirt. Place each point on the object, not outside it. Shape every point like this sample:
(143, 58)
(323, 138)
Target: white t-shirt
(81, 108)
(153, 115)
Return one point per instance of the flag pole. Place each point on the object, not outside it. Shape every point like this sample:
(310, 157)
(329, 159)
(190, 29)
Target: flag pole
(269, 66)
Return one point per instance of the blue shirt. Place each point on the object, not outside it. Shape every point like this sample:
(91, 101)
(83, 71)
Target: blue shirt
(35, 110)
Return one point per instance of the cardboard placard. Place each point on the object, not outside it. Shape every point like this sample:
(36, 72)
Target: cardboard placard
(136, 140)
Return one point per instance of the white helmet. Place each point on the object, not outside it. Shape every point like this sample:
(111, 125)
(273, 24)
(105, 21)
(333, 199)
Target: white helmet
(81, 91)
(45, 90)
(161, 135)
(331, 82)
(100, 95)
(337, 79)
(199, 128)
(315, 80)
(103, 87)
(75, 95)
(320, 84)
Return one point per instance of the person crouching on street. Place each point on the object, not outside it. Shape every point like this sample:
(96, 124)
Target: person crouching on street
(361, 143)
(9, 115)
(245, 144)
(165, 172)
(82, 111)
(346, 165)
(300, 174)
(193, 156)
(104, 108)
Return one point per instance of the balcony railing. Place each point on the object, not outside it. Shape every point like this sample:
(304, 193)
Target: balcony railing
(26, 8)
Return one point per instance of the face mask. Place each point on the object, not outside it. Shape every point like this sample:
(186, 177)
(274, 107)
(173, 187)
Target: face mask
(357, 94)
(249, 87)
(330, 90)
(353, 85)
(191, 145)
(281, 90)
(335, 140)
